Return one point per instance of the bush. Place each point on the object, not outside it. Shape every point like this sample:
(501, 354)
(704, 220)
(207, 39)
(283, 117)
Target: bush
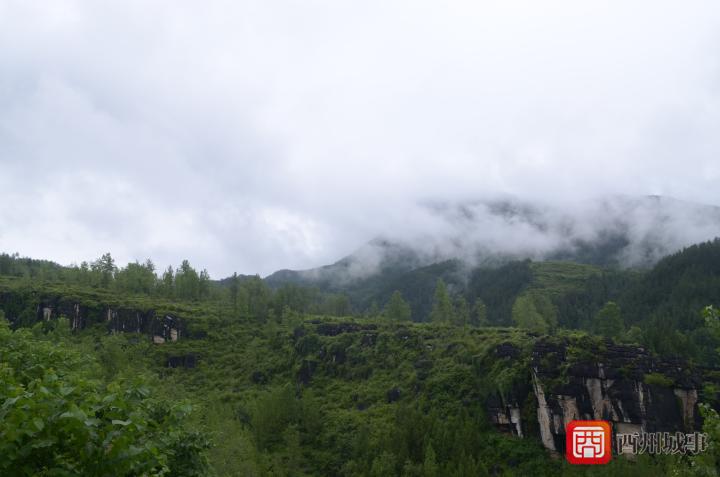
(658, 379)
(57, 420)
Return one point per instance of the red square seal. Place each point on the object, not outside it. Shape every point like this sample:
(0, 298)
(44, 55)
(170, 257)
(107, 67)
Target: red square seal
(588, 442)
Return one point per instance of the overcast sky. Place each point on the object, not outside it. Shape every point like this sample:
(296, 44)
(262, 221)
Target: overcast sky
(254, 136)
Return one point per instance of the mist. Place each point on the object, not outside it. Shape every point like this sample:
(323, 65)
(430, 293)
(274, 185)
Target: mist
(616, 231)
(254, 136)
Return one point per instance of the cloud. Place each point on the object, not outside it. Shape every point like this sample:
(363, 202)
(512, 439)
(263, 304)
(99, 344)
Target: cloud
(259, 135)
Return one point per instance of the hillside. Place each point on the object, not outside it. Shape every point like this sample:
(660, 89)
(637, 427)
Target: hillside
(271, 381)
(331, 396)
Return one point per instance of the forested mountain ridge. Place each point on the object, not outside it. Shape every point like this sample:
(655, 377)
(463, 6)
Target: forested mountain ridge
(617, 231)
(292, 380)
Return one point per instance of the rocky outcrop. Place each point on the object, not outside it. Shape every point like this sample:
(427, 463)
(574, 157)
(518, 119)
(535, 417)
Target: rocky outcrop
(334, 329)
(598, 380)
(27, 309)
(183, 361)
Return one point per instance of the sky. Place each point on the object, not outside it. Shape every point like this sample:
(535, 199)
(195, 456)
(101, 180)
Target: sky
(252, 136)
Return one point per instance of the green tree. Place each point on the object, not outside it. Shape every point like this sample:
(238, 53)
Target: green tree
(234, 290)
(708, 462)
(270, 415)
(525, 315)
(608, 321)
(296, 297)
(461, 316)
(442, 308)
(336, 304)
(397, 309)
(383, 465)
(258, 298)
(187, 282)
(167, 284)
(478, 316)
(204, 285)
(547, 309)
(84, 274)
(430, 466)
(137, 278)
(104, 267)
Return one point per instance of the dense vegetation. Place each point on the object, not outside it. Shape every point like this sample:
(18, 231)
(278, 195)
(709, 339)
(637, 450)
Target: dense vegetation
(64, 413)
(295, 380)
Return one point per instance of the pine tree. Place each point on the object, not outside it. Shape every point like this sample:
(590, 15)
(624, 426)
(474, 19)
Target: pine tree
(397, 309)
(442, 309)
(430, 466)
(479, 313)
(234, 289)
(105, 267)
(204, 285)
(608, 321)
(187, 282)
(462, 312)
(168, 282)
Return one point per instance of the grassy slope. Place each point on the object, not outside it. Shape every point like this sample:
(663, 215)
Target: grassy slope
(558, 278)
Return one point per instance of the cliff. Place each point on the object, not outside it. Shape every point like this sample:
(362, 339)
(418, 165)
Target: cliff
(592, 379)
(27, 306)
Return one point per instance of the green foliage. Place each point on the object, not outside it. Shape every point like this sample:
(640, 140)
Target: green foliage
(336, 305)
(104, 267)
(397, 309)
(478, 316)
(137, 278)
(58, 420)
(271, 414)
(559, 278)
(40, 270)
(712, 319)
(608, 321)
(658, 379)
(234, 293)
(527, 314)
(708, 462)
(189, 285)
(461, 317)
(283, 391)
(430, 467)
(442, 308)
(498, 288)
(167, 284)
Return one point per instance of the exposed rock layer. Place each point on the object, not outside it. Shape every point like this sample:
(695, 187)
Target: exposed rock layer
(589, 380)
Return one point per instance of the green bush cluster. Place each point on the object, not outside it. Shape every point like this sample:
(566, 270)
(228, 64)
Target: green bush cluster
(57, 418)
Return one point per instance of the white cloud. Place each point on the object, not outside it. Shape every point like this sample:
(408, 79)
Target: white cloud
(258, 135)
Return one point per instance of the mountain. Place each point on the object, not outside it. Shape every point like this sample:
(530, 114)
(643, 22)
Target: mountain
(615, 231)
(472, 245)
(378, 257)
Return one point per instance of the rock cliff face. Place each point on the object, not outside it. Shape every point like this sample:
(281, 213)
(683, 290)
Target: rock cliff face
(161, 327)
(598, 380)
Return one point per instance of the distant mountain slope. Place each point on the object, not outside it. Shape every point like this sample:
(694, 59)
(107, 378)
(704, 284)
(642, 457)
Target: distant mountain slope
(463, 238)
(677, 288)
(378, 257)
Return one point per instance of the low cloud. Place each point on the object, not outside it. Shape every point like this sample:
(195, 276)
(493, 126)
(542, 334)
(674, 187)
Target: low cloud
(253, 136)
